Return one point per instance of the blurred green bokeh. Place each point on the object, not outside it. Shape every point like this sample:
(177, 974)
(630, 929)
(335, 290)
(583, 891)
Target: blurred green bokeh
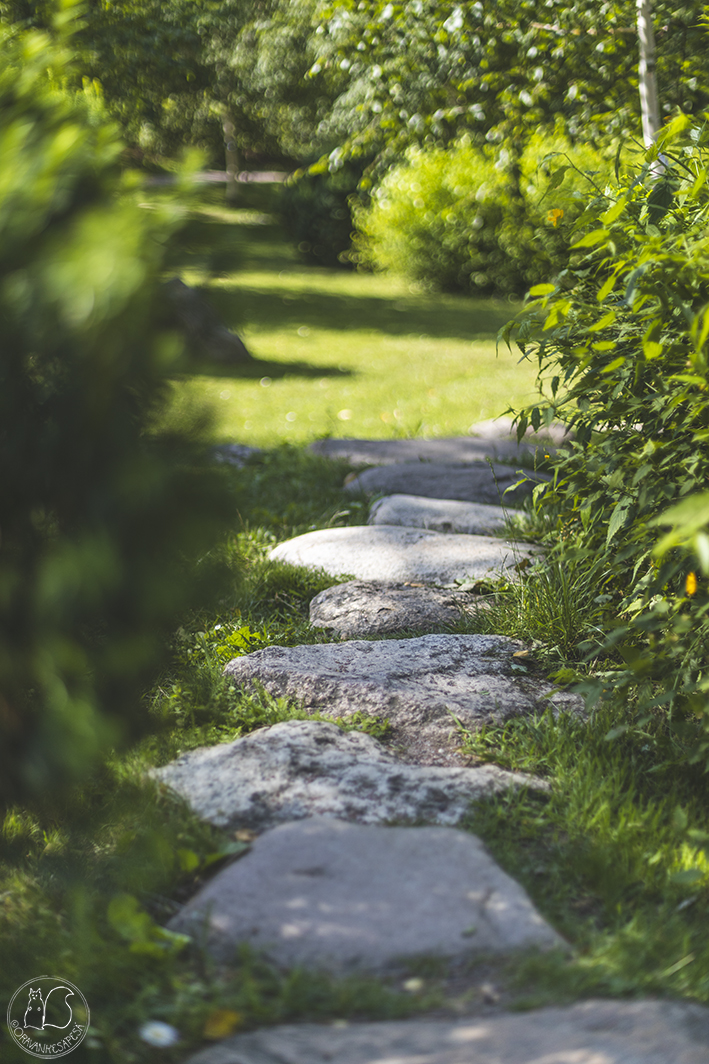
(100, 522)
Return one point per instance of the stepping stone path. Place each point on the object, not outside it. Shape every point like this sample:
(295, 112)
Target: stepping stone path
(472, 482)
(414, 683)
(304, 768)
(384, 552)
(362, 607)
(341, 897)
(486, 439)
(438, 515)
(235, 454)
(592, 1032)
(334, 881)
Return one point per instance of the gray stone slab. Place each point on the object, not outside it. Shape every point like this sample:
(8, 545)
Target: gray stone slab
(235, 454)
(339, 897)
(376, 607)
(416, 683)
(473, 482)
(591, 1032)
(438, 515)
(401, 555)
(486, 439)
(305, 768)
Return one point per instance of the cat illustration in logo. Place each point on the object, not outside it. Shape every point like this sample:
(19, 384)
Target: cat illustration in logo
(36, 1011)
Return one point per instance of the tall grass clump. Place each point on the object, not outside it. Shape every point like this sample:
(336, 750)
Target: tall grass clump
(459, 220)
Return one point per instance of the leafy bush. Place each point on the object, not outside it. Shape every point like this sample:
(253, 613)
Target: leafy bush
(623, 345)
(456, 219)
(98, 523)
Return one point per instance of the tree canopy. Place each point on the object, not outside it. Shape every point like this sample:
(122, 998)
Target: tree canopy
(367, 78)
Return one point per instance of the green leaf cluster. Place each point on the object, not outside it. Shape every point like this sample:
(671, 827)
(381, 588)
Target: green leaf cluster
(621, 341)
(100, 521)
(424, 73)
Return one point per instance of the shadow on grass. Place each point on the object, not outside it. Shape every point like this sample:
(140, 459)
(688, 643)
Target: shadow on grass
(269, 308)
(262, 367)
(226, 250)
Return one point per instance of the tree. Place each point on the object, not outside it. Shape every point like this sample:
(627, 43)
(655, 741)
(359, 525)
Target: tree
(646, 73)
(425, 72)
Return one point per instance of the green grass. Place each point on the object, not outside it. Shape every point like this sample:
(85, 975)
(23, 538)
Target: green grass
(613, 858)
(340, 353)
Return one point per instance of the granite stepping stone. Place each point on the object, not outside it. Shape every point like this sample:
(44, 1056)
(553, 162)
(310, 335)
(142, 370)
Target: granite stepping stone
(591, 1032)
(473, 482)
(487, 439)
(235, 454)
(438, 515)
(414, 683)
(375, 607)
(339, 897)
(305, 768)
(403, 555)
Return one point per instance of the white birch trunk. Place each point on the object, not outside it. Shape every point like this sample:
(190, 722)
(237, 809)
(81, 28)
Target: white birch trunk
(646, 73)
(231, 158)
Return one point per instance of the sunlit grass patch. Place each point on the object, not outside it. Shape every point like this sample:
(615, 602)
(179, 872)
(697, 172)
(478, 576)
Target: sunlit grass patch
(341, 353)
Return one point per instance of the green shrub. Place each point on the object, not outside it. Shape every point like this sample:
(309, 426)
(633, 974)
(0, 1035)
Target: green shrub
(456, 219)
(99, 523)
(621, 339)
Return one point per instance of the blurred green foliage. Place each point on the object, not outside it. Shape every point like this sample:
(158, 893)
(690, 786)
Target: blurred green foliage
(424, 73)
(101, 524)
(621, 339)
(316, 214)
(459, 220)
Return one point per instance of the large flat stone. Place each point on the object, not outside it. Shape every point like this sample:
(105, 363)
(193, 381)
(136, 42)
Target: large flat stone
(305, 768)
(473, 482)
(235, 454)
(334, 896)
(438, 515)
(486, 439)
(416, 683)
(376, 607)
(401, 555)
(592, 1032)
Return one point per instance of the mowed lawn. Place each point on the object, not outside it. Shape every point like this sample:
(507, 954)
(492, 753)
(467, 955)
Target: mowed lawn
(340, 353)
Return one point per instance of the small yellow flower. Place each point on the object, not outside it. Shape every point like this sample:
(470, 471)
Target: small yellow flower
(221, 1023)
(555, 216)
(690, 585)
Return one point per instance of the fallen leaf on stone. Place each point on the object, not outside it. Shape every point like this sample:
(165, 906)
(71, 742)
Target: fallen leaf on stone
(244, 835)
(220, 1024)
(349, 478)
